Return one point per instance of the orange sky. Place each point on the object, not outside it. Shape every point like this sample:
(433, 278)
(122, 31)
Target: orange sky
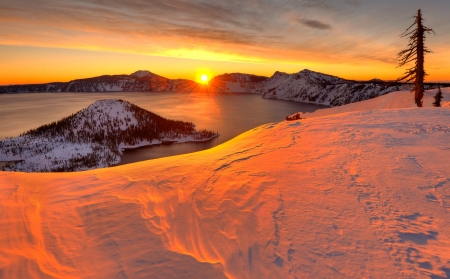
(353, 39)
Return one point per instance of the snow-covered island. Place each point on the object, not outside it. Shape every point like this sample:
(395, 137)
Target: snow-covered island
(94, 137)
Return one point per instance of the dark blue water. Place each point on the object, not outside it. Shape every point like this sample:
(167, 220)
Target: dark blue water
(228, 114)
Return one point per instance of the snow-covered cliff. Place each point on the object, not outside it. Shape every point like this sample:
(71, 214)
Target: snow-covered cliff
(94, 137)
(307, 86)
(312, 87)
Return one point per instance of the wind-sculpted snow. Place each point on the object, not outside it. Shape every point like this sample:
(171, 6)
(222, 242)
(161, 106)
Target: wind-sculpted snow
(356, 195)
(93, 137)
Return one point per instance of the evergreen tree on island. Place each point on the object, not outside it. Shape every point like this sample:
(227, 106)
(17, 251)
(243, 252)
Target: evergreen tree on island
(415, 52)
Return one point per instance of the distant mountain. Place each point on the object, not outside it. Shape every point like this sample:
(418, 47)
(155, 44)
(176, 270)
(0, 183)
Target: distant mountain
(237, 82)
(142, 73)
(376, 80)
(313, 87)
(140, 81)
(309, 87)
(304, 86)
(94, 137)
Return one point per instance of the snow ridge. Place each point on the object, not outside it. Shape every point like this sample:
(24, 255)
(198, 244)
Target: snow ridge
(394, 100)
(312, 87)
(94, 137)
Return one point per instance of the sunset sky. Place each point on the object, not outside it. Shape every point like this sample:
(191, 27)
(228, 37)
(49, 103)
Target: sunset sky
(59, 40)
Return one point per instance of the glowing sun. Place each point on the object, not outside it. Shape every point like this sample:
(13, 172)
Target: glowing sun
(204, 78)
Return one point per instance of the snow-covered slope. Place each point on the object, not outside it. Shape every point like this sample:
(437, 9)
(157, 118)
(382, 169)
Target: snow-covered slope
(355, 195)
(94, 137)
(140, 81)
(394, 100)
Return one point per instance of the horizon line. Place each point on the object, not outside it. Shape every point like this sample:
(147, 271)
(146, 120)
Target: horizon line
(357, 80)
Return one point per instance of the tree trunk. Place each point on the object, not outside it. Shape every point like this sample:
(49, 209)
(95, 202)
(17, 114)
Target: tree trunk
(420, 75)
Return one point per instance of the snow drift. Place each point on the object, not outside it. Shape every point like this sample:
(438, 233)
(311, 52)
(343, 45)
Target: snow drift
(355, 195)
(395, 100)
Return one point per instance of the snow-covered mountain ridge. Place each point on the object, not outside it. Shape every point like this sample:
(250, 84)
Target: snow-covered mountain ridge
(94, 137)
(307, 86)
(304, 86)
(140, 81)
(237, 82)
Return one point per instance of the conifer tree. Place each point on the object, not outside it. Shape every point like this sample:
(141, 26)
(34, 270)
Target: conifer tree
(415, 52)
(438, 98)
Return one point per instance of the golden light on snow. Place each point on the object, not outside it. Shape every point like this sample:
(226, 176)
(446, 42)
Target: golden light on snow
(237, 211)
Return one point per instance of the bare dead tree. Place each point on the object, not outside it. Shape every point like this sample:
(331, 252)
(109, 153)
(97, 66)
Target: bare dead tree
(415, 52)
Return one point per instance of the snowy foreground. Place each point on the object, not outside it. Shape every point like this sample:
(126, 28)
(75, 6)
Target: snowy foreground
(355, 195)
(394, 100)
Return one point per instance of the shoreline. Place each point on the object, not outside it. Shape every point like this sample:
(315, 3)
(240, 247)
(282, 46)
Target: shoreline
(166, 142)
(11, 162)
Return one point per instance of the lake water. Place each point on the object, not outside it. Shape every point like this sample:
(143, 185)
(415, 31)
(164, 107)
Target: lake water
(227, 113)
